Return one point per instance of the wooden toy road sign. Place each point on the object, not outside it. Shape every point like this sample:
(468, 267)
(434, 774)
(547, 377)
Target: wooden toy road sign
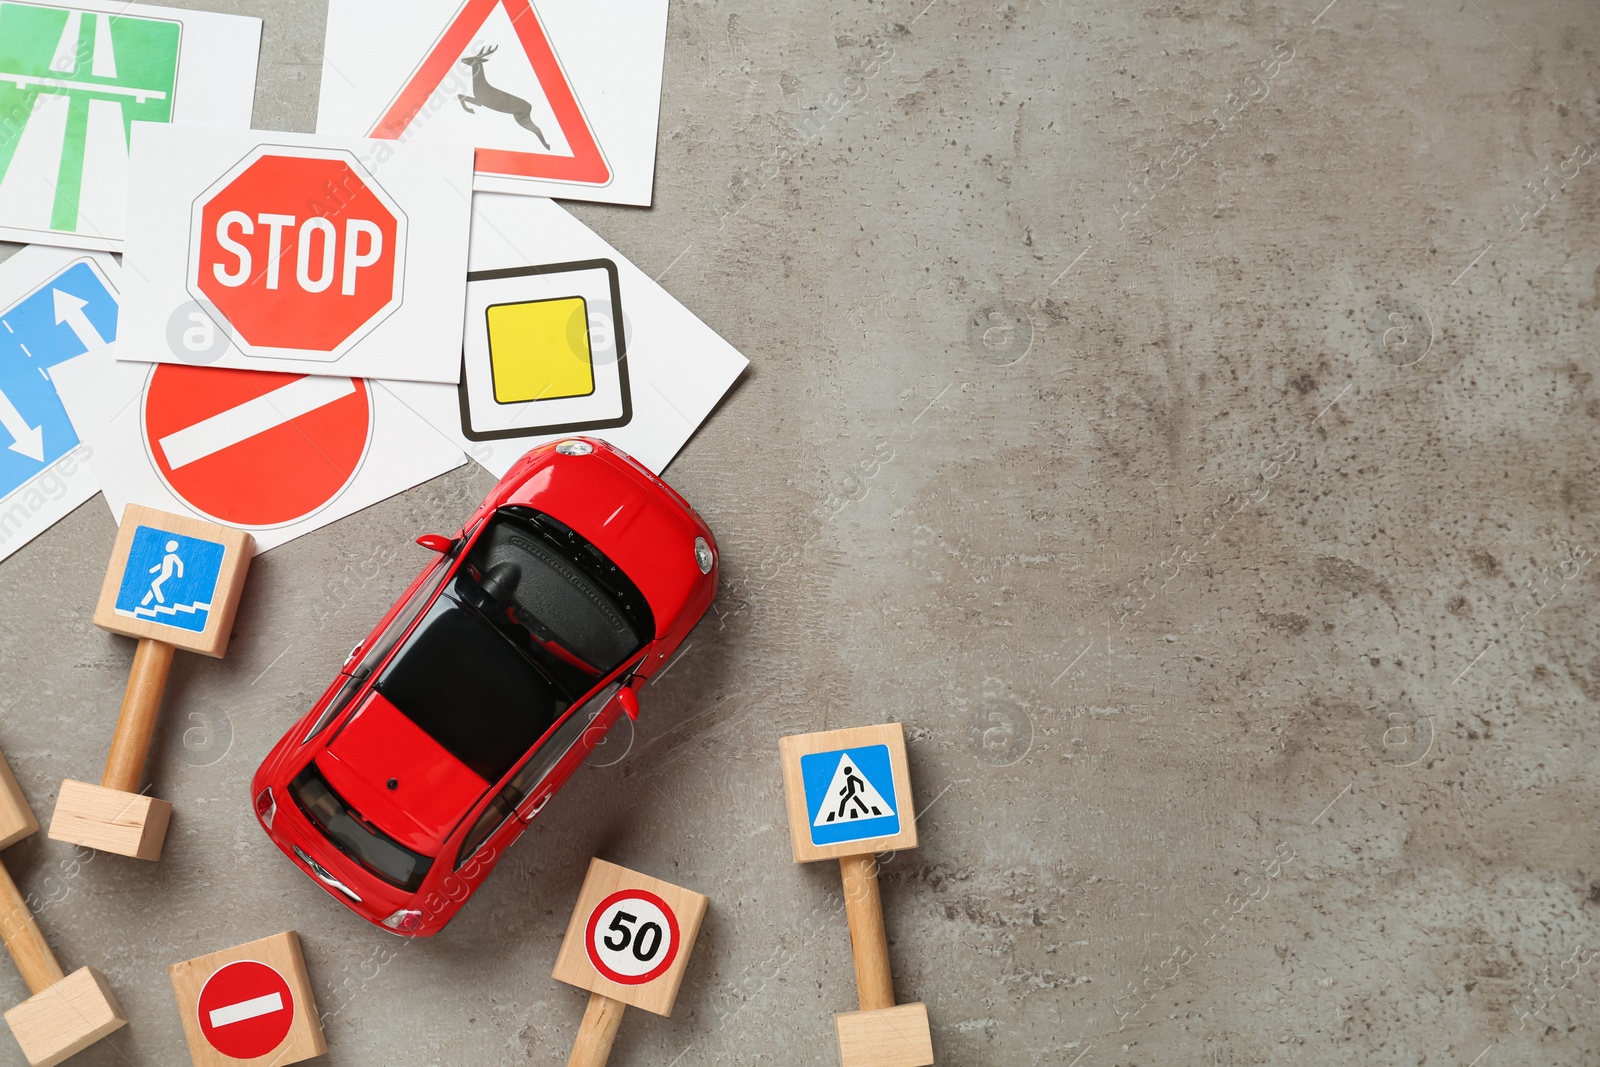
(849, 797)
(174, 582)
(67, 1012)
(250, 1004)
(628, 943)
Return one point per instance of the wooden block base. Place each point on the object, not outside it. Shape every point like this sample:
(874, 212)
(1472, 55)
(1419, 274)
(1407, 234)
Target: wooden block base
(16, 818)
(250, 1004)
(888, 1037)
(66, 1018)
(129, 824)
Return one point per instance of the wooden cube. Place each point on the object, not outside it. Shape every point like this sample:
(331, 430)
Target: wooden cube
(174, 579)
(129, 824)
(888, 1037)
(251, 1004)
(630, 937)
(66, 1018)
(16, 818)
(848, 792)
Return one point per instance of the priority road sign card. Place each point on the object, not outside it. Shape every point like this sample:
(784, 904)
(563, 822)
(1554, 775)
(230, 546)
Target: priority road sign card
(278, 455)
(55, 304)
(295, 253)
(561, 97)
(564, 335)
(251, 1004)
(76, 76)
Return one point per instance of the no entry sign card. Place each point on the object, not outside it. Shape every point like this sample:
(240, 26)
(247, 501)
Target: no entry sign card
(278, 455)
(848, 792)
(560, 98)
(55, 304)
(564, 335)
(630, 937)
(249, 1005)
(76, 76)
(293, 253)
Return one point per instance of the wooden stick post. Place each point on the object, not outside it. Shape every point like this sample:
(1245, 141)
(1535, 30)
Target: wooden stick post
(67, 1012)
(598, 1031)
(174, 582)
(627, 943)
(849, 798)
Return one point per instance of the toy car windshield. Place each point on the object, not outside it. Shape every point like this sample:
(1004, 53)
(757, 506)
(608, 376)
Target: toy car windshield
(535, 619)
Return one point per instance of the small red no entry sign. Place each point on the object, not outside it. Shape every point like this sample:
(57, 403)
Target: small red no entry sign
(246, 1010)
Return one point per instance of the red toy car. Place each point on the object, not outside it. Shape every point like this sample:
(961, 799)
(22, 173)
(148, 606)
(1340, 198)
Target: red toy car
(487, 684)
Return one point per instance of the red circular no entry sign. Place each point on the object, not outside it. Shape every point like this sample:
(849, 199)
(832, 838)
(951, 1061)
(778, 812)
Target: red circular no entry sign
(246, 1010)
(254, 448)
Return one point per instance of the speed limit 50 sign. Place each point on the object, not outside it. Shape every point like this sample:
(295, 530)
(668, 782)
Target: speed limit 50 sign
(630, 937)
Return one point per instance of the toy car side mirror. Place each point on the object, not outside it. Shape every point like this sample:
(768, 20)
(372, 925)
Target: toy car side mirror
(629, 701)
(436, 542)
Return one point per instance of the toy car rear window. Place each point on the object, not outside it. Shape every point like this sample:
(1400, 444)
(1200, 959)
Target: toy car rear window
(375, 851)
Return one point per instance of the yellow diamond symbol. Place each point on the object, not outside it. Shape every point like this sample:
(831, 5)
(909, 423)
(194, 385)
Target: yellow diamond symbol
(535, 353)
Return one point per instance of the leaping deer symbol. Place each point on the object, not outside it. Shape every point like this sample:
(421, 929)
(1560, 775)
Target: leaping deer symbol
(486, 95)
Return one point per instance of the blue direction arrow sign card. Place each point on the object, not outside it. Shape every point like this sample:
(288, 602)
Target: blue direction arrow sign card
(850, 795)
(66, 316)
(54, 305)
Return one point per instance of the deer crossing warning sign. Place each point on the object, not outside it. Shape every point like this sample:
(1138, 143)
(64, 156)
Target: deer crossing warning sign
(493, 80)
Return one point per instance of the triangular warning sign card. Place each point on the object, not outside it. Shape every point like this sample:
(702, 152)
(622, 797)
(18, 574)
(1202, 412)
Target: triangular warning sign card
(511, 96)
(847, 795)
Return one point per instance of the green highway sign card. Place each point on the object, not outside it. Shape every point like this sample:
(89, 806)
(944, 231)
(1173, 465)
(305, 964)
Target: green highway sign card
(74, 78)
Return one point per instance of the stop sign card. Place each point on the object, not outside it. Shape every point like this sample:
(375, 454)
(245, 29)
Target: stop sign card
(297, 254)
(564, 335)
(560, 98)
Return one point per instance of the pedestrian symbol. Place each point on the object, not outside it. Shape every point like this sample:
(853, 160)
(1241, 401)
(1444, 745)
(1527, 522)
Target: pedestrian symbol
(846, 795)
(66, 316)
(170, 579)
(72, 83)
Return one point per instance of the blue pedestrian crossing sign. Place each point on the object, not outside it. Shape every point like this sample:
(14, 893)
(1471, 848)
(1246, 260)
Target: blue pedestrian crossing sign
(170, 579)
(850, 795)
(72, 312)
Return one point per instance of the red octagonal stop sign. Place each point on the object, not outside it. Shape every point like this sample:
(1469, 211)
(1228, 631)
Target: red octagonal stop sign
(300, 250)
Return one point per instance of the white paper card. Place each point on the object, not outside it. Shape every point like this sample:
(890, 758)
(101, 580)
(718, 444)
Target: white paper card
(296, 253)
(279, 455)
(74, 77)
(55, 304)
(561, 98)
(548, 302)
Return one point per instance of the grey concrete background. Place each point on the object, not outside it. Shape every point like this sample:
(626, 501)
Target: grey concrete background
(1215, 503)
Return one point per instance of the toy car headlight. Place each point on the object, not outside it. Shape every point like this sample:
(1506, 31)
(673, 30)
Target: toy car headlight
(575, 448)
(703, 555)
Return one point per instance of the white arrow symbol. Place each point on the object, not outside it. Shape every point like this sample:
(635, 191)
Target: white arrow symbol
(28, 440)
(69, 309)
